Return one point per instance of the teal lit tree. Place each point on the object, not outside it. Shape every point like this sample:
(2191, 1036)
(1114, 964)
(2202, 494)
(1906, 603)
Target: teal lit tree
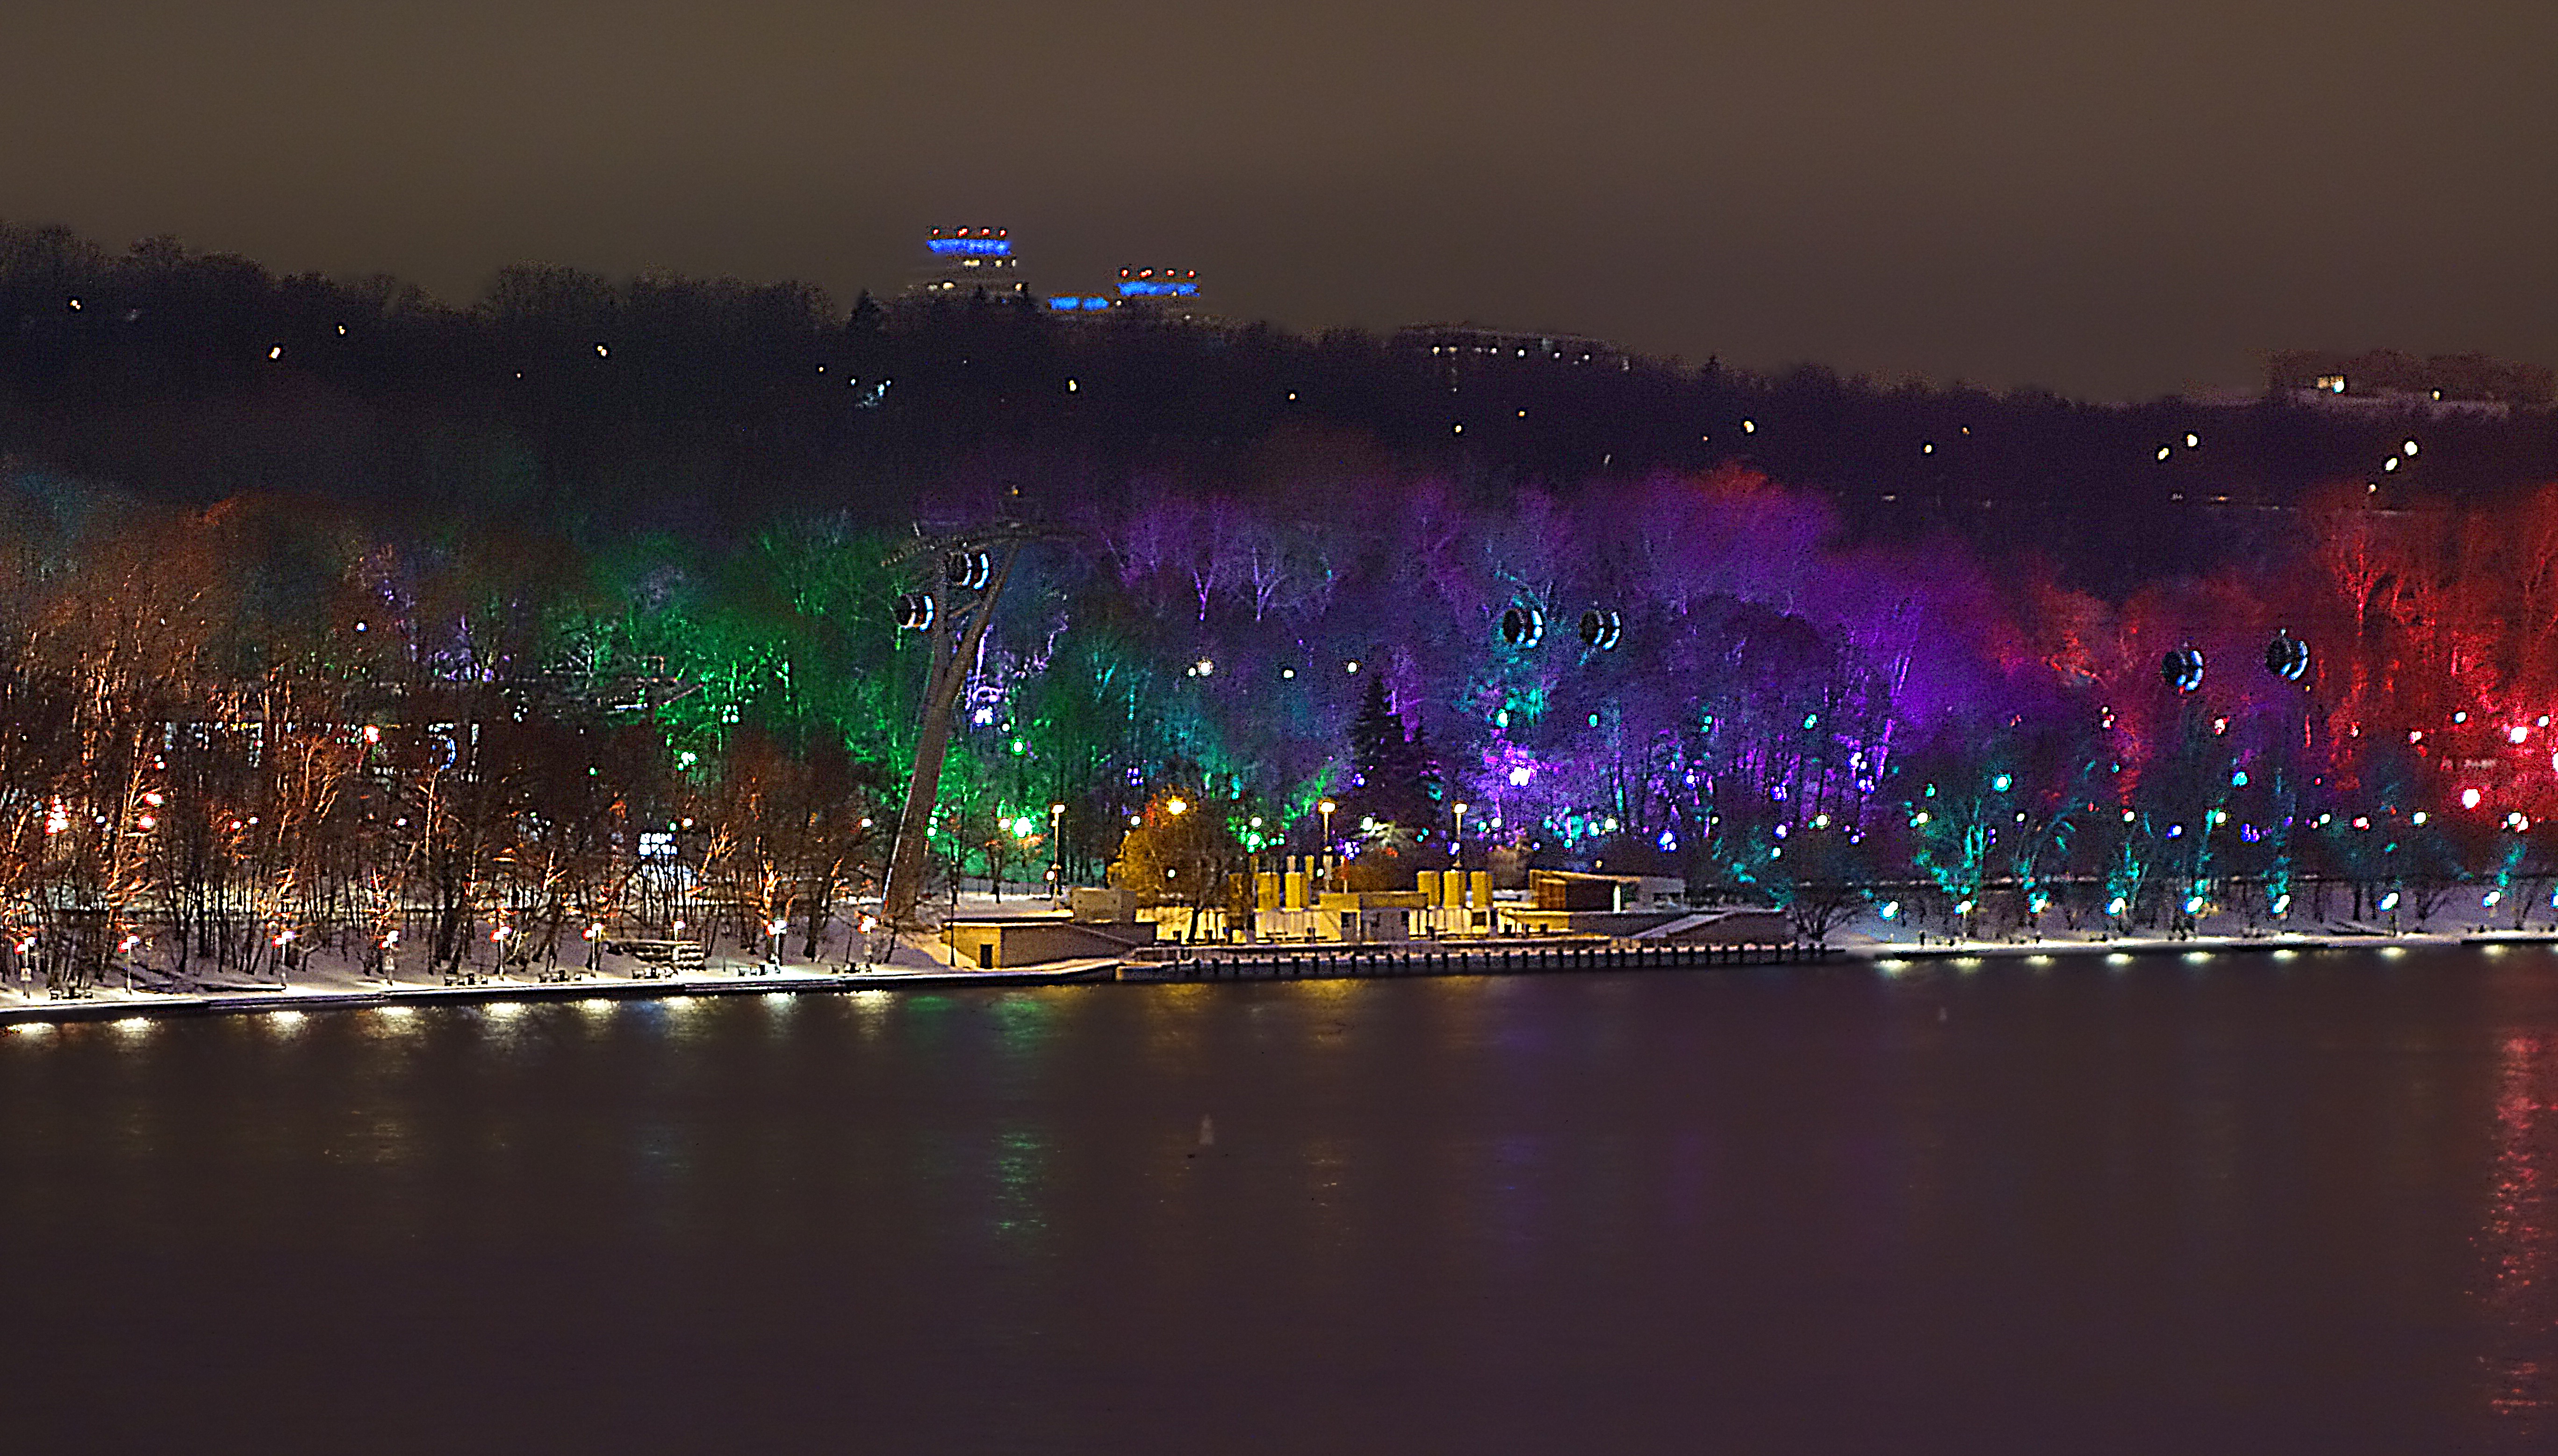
(1956, 806)
(1819, 872)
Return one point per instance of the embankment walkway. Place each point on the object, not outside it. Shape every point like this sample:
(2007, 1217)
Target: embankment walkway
(1224, 964)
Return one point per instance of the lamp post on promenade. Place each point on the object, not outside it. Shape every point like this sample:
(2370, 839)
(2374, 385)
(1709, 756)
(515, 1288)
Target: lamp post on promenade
(2287, 659)
(1326, 809)
(1056, 855)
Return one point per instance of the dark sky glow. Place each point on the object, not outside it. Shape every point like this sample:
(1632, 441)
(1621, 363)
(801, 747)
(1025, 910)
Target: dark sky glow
(2111, 200)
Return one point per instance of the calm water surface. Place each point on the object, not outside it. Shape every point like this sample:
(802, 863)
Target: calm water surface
(2169, 1206)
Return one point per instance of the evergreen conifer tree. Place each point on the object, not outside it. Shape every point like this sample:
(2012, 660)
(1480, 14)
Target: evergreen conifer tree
(1394, 776)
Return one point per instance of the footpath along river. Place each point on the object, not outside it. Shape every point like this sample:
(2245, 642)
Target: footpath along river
(2171, 1205)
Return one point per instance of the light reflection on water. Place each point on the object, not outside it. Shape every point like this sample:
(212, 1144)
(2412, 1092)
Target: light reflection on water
(2516, 1243)
(2234, 1206)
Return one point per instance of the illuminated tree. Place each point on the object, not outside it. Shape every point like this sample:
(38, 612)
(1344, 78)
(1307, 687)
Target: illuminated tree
(1394, 778)
(1820, 874)
(1182, 850)
(1956, 806)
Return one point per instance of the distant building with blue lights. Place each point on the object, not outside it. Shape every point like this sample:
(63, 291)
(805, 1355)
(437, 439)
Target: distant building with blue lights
(1156, 295)
(962, 263)
(1158, 283)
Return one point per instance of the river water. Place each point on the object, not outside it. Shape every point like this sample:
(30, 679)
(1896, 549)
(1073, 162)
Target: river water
(2164, 1205)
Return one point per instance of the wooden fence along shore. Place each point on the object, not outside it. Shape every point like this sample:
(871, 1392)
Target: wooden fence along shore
(1260, 963)
(1244, 964)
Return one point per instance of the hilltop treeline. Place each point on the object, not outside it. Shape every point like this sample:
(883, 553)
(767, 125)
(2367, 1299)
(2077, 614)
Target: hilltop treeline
(712, 405)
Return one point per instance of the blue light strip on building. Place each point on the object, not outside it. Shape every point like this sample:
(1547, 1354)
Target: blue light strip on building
(1138, 288)
(975, 247)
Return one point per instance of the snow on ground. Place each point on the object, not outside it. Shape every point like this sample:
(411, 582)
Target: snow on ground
(150, 984)
(324, 978)
(1869, 934)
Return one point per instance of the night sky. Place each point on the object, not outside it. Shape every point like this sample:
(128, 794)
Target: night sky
(2110, 199)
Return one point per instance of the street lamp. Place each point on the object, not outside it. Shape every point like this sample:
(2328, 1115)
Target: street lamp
(1056, 856)
(1326, 809)
(1457, 847)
